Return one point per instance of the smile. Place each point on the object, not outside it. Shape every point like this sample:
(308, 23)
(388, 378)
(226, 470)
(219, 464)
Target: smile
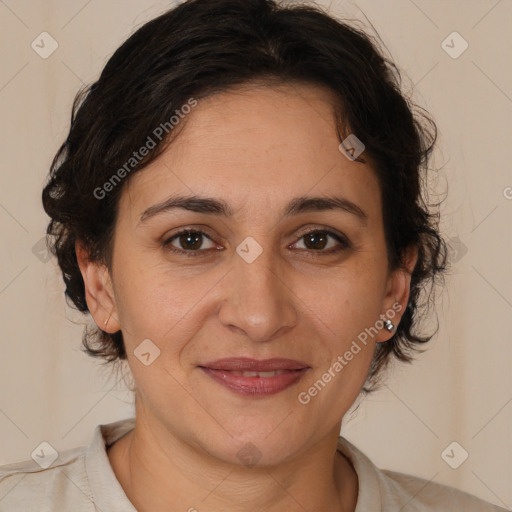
(250, 377)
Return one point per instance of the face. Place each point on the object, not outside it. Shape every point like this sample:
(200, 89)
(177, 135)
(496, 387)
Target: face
(254, 278)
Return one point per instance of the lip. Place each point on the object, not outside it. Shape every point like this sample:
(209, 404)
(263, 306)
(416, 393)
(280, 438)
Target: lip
(227, 373)
(255, 365)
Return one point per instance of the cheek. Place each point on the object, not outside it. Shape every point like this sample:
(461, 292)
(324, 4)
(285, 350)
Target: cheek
(164, 307)
(349, 352)
(146, 297)
(349, 306)
(349, 301)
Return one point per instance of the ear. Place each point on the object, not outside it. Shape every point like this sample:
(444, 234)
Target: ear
(397, 293)
(99, 292)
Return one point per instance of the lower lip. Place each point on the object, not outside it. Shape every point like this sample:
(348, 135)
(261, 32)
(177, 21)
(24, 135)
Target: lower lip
(255, 386)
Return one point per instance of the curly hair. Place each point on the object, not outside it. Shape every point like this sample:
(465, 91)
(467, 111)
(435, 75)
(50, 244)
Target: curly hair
(201, 47)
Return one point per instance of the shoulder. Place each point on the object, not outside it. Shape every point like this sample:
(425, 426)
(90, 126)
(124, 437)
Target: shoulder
(417, 494)
(79, 480)
(391, 491)
(26, 486)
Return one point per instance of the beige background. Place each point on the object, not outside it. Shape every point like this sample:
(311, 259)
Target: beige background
(460, 390)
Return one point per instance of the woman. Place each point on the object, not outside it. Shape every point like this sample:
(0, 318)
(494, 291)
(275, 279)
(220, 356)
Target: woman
(238, 206)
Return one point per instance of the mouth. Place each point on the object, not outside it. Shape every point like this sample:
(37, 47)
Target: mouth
(255, 378)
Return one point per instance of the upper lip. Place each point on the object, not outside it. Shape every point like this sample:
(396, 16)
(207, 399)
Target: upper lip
(255, 365)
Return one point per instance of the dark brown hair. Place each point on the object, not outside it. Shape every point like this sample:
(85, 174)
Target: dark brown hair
(205, 46)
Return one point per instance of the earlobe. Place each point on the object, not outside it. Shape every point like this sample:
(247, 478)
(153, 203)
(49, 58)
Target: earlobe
(99, 292)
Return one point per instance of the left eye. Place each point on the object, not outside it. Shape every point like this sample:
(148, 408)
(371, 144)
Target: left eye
(314, 239)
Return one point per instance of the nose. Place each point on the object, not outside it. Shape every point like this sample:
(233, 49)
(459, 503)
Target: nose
(258, 301)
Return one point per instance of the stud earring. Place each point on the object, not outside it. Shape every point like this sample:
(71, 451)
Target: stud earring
(388, 324)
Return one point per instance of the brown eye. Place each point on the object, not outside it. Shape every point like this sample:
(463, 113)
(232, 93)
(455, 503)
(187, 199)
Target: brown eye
(318, 240)
(189, 242)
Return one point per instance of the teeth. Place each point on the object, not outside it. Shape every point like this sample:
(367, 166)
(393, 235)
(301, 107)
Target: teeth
(267, 374)
(251, 374)
(258, 374)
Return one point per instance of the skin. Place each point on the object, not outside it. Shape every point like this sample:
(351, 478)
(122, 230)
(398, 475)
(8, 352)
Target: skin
(256, 148)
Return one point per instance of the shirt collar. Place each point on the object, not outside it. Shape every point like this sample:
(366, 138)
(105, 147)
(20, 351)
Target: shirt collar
(368, 496)
(107, 493)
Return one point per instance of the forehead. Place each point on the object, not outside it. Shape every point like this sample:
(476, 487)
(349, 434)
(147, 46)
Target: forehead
(256, 147)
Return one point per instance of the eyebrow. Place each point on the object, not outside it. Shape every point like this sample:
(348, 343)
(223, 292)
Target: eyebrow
(296, 206)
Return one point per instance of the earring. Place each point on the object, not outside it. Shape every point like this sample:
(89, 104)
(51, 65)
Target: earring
(106, 321)
(388, 324)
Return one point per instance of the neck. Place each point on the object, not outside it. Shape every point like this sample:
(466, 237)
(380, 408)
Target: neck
(160, 472)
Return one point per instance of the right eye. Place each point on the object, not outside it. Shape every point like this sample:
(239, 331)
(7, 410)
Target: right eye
(190, 240)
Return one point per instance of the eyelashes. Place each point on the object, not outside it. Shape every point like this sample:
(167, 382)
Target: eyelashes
(188, 233)
(194, 238)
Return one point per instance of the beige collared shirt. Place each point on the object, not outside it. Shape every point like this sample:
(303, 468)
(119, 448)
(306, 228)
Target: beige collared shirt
(82, 480)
